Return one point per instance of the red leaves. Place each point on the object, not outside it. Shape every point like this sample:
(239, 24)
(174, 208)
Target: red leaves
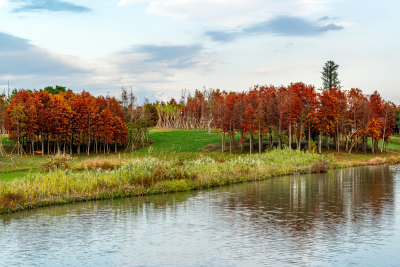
(65, 117)
(299, 109)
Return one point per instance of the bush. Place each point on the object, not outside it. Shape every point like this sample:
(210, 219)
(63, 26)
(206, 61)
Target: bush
(320, 166)
(57, 162)
(312, 147)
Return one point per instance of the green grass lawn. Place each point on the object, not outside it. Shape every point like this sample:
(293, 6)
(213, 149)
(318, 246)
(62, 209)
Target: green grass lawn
(393, 145)
(180, 141)
(16, 166)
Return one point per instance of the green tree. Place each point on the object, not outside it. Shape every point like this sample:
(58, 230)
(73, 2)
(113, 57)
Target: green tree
(397, 122)
(58, 89)
(330, 75)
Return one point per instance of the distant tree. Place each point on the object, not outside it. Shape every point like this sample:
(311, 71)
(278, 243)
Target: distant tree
(330, 75)
(55, 90)
(150, 114)
(3, 106)
(397, 123)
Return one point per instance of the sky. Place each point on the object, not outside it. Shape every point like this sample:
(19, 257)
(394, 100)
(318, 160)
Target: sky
(161, 47)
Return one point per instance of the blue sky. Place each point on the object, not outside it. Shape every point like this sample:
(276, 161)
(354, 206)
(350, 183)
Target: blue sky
(159, 47)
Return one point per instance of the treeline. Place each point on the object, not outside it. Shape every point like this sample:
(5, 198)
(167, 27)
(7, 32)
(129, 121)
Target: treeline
(288, 115)
(55, 121)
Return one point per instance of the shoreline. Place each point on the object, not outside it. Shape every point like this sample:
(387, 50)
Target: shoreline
(149, 176)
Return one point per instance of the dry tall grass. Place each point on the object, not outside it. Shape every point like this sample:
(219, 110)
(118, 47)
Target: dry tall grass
(110, 178)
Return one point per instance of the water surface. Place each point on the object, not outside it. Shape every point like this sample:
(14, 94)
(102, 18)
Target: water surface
(346, 217)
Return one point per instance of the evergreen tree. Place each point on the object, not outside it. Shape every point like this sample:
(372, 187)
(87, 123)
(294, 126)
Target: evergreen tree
(330, 75)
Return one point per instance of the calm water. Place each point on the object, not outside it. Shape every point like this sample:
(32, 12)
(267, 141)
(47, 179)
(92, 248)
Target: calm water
(347, 217)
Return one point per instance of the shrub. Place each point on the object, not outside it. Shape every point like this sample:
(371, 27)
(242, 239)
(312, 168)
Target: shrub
(104, 164)
(393, 160)
(312, 147)
(320, 166)
(377, 161)
(57, 162)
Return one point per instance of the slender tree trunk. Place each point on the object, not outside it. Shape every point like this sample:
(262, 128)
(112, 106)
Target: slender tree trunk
(364, 144)
(309, 133)
(320, 143)
(223, 142)
(373, 146)
(230, 145)
(327, 142)
(337, 137)
(271, 141)
(298, 137)
(260, 141)
(290, 135)
(251, 143)
(42, 141)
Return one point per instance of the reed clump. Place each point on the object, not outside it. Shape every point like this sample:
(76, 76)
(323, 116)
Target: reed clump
(377, 161)
(103, 164)
(152, 175)
(393, 160)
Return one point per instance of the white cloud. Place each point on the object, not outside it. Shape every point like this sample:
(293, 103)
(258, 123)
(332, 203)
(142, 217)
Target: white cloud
(127, 2)
(231, 12)
(4, 3)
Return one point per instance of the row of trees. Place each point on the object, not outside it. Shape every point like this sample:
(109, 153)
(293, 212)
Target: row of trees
(290, 115)
(54, 121)
(298, 112)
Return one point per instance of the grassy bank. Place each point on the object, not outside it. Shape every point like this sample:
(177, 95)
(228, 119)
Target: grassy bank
(185, 144)
(164, 140)
(153, 175)
(171, 164)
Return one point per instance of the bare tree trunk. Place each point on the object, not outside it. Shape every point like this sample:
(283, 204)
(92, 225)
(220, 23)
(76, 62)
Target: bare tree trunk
(41, 139)
(320, 143)
(251, 143)
(223, 143)
(327, 142)
(298, 142)
(271, 141)
(364, 146)
(309, 133)
(230, 145)
(373, 146)
(290, 135)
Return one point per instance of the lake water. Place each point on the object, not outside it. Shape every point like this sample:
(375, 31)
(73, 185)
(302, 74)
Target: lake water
(346, 217)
